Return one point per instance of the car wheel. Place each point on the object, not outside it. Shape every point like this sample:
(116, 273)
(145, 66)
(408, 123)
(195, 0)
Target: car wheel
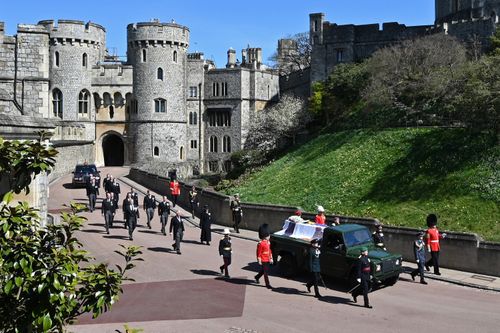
(391, 281)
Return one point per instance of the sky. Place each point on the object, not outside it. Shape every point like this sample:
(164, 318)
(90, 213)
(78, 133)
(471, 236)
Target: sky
(215, 26)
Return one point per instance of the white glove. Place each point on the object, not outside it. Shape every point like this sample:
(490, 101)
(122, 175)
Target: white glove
(444, 234)
(359, 280)
(418, 261)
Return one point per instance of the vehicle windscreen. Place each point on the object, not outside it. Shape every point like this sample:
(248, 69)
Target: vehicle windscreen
(85, 169)
(357, 237)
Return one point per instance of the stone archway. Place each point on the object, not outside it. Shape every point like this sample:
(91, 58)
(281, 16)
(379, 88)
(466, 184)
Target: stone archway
(113, 150)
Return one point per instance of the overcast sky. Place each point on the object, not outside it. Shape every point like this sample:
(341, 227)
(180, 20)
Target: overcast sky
(218, 25)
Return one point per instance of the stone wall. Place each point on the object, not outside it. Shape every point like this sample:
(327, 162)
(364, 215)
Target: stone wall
(460, 251)
(70, 154)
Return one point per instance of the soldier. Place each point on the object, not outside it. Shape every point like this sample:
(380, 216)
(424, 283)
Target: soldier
(92, 192)
(131, 210)
(320, 218)
(115, 188)
(378, 236)
(314, 267)
(164, 212)
(175, 190)
(205, 226)
(108, 211)
(237, 212)
(177, 226)
(193, 200)
(264, 258)
(225, 252)
(149, 205)
(363, 268)
(432, 241)
(419, 251)
(135, 197)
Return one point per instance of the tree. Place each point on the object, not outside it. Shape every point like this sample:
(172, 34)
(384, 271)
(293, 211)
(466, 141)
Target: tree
(46, 280)
(273, 126)
(293, 54)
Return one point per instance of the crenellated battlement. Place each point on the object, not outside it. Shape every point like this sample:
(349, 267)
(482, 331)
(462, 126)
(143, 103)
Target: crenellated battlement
(73, 31)
(157, 34)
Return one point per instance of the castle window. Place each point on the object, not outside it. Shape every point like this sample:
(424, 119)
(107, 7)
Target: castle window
(175, 56)
(156, 151)
(226, 144)
(193, 91)
(181, 153)
(224, 89)
(193, 118)
(213, 166)
(144, 58)
(340, 55)
(219, 117)
(160, 105)
(135, 106)
(216, 89)
(194, 144)
(111, 112)
(159, 74)
(315, 25)
(227, 165)
(268, 92)
(56, 59)
(83, 103)
(57, 103)
(213, 144)
(84, 60)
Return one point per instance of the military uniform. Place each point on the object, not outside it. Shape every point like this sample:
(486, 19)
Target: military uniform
(237, 214)
(175, 190)
(363, 270)
(419, 251)
(193, 200)
(315, 269)
(225, 251)
(163, 212)
(378, 239)
(206, 227)
(108, 210)
(149, 205)
(264, 257)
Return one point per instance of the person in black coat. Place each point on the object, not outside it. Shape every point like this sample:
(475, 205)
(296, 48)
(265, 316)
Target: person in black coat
(177, 227)
(206, 226)
(108, 211)
(314, 268)
(364, 280)
(92, 192)
(149, 205)
(115, 188)
(237, 212)
(164, 213)
(126, 202)
(135, 197)
(225, 251)
(378, 236)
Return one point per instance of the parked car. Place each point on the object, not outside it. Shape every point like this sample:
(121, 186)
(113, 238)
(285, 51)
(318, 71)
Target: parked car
(83, 172)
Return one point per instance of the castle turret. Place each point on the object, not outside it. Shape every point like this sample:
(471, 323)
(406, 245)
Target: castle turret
(158, 53)
(231, 58)
(316, 21)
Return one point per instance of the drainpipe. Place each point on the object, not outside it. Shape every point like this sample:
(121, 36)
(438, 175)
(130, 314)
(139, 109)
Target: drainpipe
(20, 107)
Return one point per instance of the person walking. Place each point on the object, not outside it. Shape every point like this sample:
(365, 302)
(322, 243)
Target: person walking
(132, 210)
(206, 226)
(164, 213)
(193, 200)
(419, 251)
(320, 218)
(135, 197)
(108, 211)
(107, 182)
(92, 192)
(264, 258)
(225, 252)
(175, 191)
(363, 270)
(149, 206)
(378, 236)
(177, 227)
(237, 212)
(115, 188)
(126, 202)
(432, 238)
(314, 267)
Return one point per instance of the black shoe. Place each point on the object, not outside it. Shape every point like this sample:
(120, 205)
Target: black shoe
(269, 287)
(227, 276)
(256, 279)
(130, 238)
(208, 243)
(413, 276)
(427, 268)
(318, 296)
(221, 270)
(437, 273)
(308, 288)
(355, 299)
(107, 231)
(149, 226)
(173, 246)
(423, 282)
(179, 252)
(368, 306)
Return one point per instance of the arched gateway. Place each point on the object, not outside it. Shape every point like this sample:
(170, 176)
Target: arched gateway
(113, 149)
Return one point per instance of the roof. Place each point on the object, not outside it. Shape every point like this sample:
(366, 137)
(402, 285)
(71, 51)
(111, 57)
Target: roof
(347, 227)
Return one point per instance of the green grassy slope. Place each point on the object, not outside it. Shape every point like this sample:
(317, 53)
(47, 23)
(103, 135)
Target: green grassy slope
(397, 176)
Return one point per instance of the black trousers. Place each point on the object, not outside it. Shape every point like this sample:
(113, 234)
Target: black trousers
(92, 200)
(363, 289)
(150, 212)
(163, 220)
(419, 270)
(434, 261)
(314, 281)
(132, 223)
(237, 221)
(264, 269)
(174, 199)
(108, 220)
(178, 240)
(227, 262)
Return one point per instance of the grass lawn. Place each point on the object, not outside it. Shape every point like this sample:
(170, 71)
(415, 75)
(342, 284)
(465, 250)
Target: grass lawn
(397, 176)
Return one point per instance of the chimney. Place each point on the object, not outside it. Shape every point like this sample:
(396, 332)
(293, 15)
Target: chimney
(243, 57)
(231, 58)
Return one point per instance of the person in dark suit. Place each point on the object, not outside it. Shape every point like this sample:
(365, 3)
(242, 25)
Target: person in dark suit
(108, 211)
(106, 183)
(126, 202)
(177, 227)
(92, 193)
(135, 197)
(115, 188)
(364, 270)
(314, 268)
(149, 205)
(164, 212)
(131, 209)
(206, 226)
(225, 251)
(419, 251)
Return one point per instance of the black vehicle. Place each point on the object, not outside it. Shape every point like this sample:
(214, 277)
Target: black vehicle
(83, 172)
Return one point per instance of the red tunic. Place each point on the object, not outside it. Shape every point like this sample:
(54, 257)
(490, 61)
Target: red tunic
(264, 251)
(432, 239)
(175, 188)
(320, 219)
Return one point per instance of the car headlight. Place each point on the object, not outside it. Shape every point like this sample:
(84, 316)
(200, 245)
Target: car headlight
(398, 262)
(378, 268)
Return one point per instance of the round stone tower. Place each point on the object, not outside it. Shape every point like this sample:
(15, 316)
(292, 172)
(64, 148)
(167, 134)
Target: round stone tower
(458, 10)
(158, 53)
(75, 47)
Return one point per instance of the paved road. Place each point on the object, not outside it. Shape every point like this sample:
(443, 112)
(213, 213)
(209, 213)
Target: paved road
(184, 293)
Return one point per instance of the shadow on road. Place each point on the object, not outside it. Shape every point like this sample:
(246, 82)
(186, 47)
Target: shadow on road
(205, 272)
(98, 231)
(161, 249)
(237, 280)
(289, 291)
(116, 237)
(152, 232)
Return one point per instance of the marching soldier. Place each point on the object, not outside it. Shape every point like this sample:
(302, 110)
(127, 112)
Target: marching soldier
(314, 267)
(164, 212)
(419, 251)
(177, 226)
(206, 226)
(108, 211)
(237, 212)
(363, 279)
(92, 192)
(149, 205)
(432, 240)
(225, 252)
(264, 258)
(378, 236)
(175, 190)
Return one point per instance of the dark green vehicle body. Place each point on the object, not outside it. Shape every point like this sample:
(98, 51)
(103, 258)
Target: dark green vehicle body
(340, 249)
